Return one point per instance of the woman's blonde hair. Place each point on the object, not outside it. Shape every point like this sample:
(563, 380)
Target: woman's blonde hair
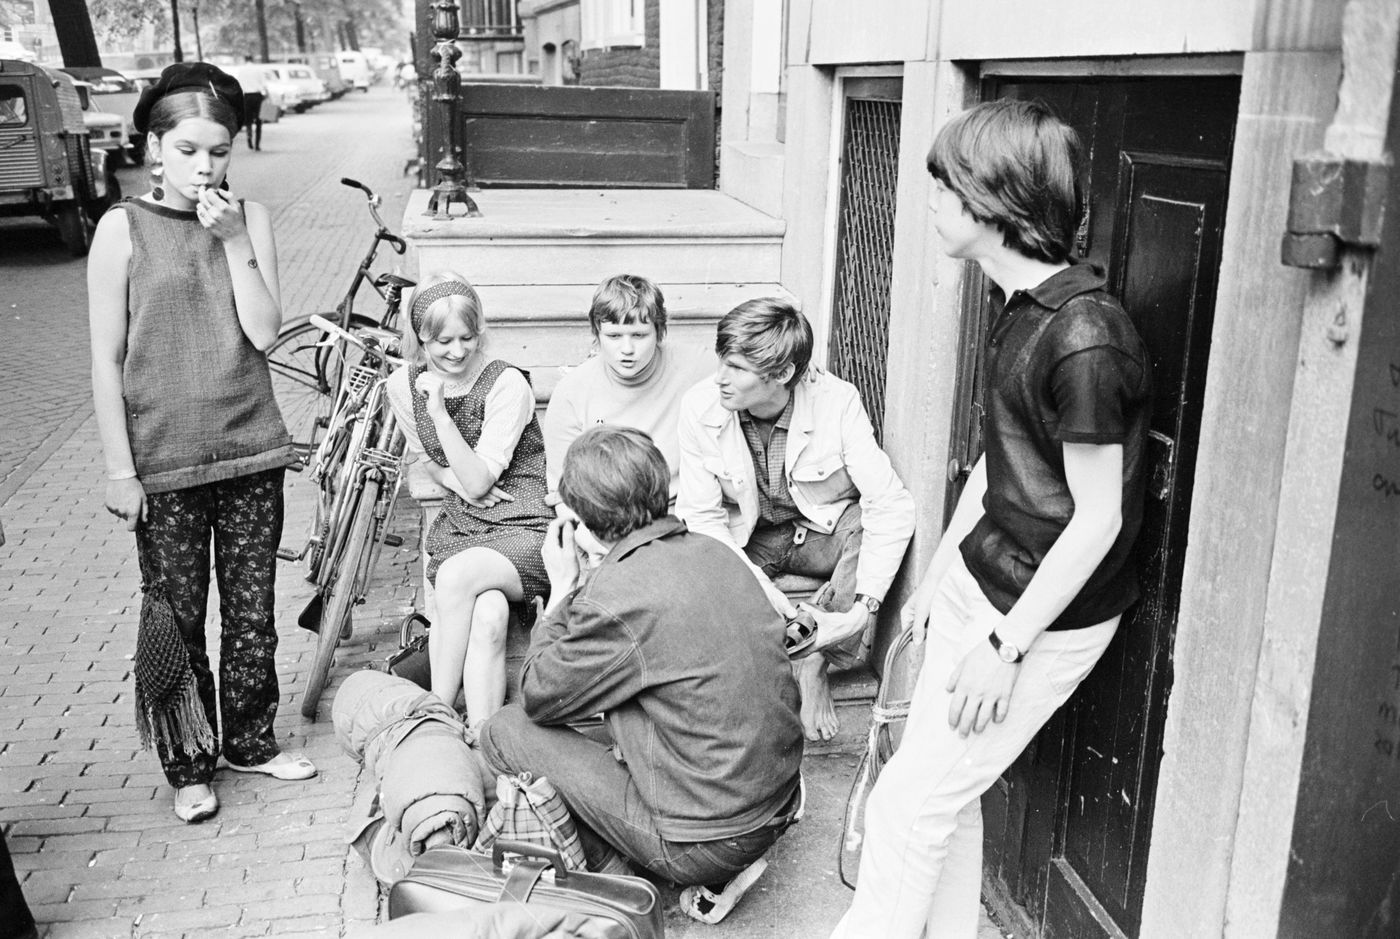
(431, 308)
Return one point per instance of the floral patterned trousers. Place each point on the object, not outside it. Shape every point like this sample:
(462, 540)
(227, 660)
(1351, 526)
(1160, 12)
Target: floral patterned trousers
(244, 516)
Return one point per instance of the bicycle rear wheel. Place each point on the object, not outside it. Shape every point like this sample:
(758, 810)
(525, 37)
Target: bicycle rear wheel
(304, 374)
(340, 594)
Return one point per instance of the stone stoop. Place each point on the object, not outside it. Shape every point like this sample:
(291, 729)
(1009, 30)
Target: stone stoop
(536, 256)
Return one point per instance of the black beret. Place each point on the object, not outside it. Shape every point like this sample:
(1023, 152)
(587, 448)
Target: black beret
(188, 76)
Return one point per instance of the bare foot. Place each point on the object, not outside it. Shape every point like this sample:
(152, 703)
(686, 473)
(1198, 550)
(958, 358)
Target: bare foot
(819, 720)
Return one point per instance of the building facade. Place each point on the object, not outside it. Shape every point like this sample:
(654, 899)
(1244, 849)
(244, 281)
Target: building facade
(1233, 765)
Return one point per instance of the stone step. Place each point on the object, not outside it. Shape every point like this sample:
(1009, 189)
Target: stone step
(579, 236)
(567, 304)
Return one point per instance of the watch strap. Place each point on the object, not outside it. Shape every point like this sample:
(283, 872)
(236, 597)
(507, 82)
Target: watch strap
(869, 602)
(996, 642)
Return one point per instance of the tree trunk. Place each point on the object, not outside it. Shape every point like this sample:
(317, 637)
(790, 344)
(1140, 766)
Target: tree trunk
(175, 29)
(301, 28)
(260, 10)
(352, 35)
(75, 37)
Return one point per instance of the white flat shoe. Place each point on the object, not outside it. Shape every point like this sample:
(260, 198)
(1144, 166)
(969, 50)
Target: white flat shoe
(191, 807)
(288, 770)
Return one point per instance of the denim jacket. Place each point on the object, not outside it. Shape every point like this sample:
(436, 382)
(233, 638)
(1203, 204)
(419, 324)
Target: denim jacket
(673, 639)
(832, 460)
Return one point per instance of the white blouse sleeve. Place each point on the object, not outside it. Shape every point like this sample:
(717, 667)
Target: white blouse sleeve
(401, 403)
(509, 406)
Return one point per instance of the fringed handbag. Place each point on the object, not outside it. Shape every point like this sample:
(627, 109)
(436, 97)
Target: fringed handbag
(169, 713)
(887, 717)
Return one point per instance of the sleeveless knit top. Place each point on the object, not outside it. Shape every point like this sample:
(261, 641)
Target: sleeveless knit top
(523, 478)
(199, 400)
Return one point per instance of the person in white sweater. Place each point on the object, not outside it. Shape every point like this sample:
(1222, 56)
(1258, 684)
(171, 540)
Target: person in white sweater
(634, 380)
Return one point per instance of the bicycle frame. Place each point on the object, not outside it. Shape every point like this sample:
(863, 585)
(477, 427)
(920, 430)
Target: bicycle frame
(375, 448)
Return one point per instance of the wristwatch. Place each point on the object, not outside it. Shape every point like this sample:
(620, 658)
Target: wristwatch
(870, 602)
(1005, 650)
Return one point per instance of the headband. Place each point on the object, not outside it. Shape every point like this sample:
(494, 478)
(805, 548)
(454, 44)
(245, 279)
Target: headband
(426, 298)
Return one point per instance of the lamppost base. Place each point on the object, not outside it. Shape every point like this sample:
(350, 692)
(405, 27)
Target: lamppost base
(444, 195)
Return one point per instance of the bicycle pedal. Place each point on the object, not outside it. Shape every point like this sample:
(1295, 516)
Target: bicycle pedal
(287, 554)
(323, 421)
(394, 541)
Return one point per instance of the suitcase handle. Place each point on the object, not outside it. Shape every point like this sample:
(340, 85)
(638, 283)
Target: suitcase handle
(555, 860)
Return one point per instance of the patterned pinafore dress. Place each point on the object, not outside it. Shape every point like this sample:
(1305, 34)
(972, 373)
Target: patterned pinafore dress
(513, 529)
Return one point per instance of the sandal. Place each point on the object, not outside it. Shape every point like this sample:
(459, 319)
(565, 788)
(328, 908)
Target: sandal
(192, 810)
(800, 633)
(288, 770)
(703, 904)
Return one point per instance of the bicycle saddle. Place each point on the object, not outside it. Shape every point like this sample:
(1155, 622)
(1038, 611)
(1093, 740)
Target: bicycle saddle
(385, 280)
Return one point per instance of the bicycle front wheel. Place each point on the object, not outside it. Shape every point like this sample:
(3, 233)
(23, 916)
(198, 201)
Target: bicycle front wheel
(304, 376)
(340, 594)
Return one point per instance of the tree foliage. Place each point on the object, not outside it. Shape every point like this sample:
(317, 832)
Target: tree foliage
(117, 20)
(231, 26)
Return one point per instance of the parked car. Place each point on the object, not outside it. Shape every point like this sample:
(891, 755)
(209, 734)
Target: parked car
(114, 93)
(106, 131)
(354, 67)
(310, 90)
(47, 164)
(325, 67)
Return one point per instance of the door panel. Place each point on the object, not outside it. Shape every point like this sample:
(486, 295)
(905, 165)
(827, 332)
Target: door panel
(1068, 826)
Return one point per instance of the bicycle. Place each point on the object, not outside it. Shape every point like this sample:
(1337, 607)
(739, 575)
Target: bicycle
(357, 473)
(306, 373)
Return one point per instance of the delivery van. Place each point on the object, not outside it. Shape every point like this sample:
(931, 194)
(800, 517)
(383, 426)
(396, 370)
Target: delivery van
(354, 68)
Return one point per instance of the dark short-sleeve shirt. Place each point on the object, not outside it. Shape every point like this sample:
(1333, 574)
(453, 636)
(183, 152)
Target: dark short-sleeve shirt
(1064, 365)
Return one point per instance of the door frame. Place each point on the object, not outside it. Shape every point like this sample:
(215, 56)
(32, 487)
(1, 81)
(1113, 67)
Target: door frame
(971, 284)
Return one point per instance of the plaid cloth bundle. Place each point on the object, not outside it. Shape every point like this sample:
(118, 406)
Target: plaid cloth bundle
(531, 810)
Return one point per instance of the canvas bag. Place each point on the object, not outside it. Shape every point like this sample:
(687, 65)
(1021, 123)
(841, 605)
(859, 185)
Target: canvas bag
(530, 810)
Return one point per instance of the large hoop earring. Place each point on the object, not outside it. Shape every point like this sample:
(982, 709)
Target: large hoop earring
(157, 171)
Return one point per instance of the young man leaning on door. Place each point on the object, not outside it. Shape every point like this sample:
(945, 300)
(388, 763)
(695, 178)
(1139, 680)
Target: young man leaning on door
(1031, 577)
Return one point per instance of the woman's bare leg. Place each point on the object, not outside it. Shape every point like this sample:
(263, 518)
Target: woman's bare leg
(461, 580)
(484, 671)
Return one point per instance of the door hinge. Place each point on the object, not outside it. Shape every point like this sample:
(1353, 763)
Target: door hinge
(1333, 202)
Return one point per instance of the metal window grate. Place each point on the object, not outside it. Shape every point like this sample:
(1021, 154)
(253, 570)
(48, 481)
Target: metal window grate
(860, 313)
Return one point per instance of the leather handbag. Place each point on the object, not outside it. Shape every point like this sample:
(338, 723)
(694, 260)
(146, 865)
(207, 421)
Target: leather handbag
(410, 660)
(451, 878)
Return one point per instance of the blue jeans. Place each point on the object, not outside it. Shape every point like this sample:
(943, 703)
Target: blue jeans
(607, 806)
(774, 549)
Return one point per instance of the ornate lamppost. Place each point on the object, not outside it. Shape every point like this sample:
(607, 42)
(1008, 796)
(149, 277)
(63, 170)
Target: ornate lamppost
(447, 87)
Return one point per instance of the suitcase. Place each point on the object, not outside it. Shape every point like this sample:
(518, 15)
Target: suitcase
(453, 878)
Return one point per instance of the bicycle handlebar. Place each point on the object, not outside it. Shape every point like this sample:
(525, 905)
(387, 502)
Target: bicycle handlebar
(374, 346)
(383, 233)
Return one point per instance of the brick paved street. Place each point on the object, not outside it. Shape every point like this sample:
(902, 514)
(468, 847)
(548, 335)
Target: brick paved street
(87, 813)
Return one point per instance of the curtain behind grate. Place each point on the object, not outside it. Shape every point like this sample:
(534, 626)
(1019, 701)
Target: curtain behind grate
(860, 318)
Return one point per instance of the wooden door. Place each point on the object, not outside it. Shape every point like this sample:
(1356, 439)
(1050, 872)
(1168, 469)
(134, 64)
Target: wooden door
(1068, 827)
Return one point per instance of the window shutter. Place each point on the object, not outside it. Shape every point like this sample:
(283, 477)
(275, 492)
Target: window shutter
(611, 23)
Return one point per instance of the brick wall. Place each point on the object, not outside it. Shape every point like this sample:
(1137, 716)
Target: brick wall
(628, 68)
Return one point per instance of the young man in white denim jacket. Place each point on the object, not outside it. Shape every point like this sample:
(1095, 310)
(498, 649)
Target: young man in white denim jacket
(779, 461)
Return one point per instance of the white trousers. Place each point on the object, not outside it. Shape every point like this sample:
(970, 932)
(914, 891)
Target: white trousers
(921, 866)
